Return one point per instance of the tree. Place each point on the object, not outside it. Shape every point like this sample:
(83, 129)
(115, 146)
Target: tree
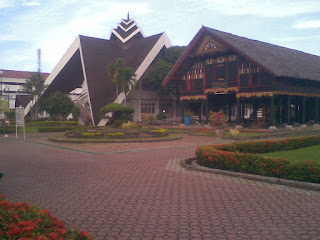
(34, 86)
(121, 75)
(58, 104)
(162, 66)
(121, 113)
(114, 71)
(127, 80)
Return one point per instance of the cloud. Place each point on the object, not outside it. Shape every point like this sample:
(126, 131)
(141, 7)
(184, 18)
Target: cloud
(7, 3)
(53, 25)
(7, 37)
(307, 24)
(270, 8)
(31, 3)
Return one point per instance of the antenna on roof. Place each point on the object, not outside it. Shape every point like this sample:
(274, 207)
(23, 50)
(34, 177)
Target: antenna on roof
(39, 59)
(128, 16)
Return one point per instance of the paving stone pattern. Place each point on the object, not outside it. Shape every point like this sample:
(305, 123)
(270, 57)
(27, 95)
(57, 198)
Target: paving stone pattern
(148, 195)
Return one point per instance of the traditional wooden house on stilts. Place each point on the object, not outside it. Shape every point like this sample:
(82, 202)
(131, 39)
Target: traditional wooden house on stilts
(252, 82)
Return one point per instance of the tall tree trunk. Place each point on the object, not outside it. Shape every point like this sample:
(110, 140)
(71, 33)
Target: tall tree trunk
(117, 91)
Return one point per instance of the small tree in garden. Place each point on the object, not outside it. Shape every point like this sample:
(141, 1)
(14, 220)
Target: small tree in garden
(127, 80)
(75, 113)
(114, 72)
(123, 76)
(120, 113)
(217, 118)
(58, 104)
(34, 86)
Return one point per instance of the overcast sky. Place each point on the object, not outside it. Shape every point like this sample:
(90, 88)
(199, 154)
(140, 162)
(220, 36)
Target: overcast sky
(52, 25)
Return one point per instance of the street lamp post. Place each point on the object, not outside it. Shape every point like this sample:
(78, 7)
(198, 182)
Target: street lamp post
(1, 72)
(8, 98)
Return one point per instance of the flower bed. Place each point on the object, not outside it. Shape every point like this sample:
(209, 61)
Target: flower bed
(243, 157)
(22, 221)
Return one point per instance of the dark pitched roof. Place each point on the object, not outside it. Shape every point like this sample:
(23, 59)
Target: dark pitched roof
(279, 60)
(20, 74)
(98, 53)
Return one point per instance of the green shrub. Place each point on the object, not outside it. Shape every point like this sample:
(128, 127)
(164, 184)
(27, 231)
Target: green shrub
(129, 124)
(75, 113)
(161, 116)
(160, 132)
(54, 129)
(46, 123)
(147, 118)
(116, 135)
(116, 107)
(91, 134)
(121, 113)
(241, 157)
(72, 123)
(5, 130)
(271, 145)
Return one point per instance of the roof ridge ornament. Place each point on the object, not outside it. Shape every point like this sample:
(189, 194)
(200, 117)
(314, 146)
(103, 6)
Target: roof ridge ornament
(126, 30)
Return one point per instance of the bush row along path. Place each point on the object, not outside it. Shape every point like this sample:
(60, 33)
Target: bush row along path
(147, 194)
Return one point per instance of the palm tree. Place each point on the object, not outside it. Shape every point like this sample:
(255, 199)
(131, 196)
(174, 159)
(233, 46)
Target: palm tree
(114, 72)
(35, 87)
(121, 75)
(127, 80)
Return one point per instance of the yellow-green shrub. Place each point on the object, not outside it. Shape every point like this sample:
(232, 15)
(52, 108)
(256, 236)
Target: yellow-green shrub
(116, 135)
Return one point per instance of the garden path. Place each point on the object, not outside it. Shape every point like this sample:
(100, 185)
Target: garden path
(123, 193)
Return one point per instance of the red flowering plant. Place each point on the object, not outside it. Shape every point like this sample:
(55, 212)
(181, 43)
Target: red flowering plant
(217, 118)
(24, 222)
(242, 157)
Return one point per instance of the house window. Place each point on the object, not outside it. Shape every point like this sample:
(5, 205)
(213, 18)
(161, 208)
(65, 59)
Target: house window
(220, 72)
(148, 108)
(233, 71)
(164, 107)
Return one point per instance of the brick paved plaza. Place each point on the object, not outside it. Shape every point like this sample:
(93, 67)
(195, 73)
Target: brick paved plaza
(140, 191)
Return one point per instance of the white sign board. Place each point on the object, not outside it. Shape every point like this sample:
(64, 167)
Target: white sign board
(20, 117)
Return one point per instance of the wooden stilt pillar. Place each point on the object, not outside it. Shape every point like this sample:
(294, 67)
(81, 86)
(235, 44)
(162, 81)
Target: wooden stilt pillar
(230, 108)
(303, 110)
(297, 109)
(207, 112)
(200, 112)
(182, 112)
(272, 111)
(238, 111)
(289, 110)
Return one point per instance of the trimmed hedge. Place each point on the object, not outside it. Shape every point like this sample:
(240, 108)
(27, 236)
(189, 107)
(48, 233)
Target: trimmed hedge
(5, 130)
(52, 123)
(116, 135)
(54, 129)
(242, 157)
(91, 135)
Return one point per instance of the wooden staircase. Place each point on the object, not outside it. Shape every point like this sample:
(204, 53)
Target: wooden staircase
(260, 119)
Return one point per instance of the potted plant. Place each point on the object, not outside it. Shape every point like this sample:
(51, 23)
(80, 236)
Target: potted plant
(187, 118)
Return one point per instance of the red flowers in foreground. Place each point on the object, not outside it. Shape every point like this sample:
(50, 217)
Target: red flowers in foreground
(243, 157)
(24, 222)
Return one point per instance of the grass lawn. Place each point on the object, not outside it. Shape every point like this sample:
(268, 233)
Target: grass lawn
(204, 133)
(302, 154)
(62, 138)
(245, 134)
